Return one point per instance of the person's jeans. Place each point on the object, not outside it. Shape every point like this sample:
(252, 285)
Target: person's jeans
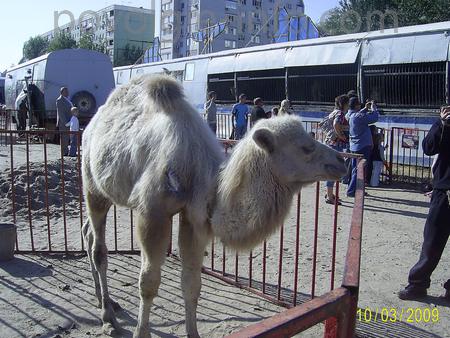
(435, 237)
(73, 145)
(366, 152)
(330, 184)
(377, 167)
(239, 132)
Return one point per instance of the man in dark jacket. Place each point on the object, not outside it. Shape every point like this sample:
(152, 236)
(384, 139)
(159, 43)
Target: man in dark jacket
(258, 112)
(63, 115)
(437, 226)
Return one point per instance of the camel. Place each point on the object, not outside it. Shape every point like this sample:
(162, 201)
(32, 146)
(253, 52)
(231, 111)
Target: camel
(149, 150)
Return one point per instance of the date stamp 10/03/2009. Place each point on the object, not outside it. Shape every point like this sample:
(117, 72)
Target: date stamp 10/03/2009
(393, 315)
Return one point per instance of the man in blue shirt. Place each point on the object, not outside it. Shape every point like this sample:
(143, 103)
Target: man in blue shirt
(240, 117)
(360, 134)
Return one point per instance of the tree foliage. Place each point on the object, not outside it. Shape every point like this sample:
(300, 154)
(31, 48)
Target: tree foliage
(87, 41)
(355, 16)
(62, 41)
(34, 47)
(128, 55)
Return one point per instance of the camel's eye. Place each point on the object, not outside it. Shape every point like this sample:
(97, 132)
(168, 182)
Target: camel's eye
(308, 149)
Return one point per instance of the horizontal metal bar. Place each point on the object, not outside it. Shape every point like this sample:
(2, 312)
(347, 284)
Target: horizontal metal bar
(322, 75)
(300, 318)
(73, 252)
(353, 257)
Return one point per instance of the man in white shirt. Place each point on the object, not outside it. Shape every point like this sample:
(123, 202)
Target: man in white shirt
(63, 107)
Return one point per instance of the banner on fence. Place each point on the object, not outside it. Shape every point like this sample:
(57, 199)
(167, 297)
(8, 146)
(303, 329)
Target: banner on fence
(410, 141)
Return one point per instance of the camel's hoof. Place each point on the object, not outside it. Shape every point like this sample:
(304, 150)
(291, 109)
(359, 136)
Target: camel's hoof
(195, 335)
(110, 330)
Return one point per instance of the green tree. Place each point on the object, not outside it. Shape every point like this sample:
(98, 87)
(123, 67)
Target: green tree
(62, 41)
(417, 12)
(34, 47)
(354, 16)
(128, 55)
(87, 41)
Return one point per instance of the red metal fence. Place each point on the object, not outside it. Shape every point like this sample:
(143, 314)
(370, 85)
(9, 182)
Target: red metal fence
(44, 193)
(338, 307)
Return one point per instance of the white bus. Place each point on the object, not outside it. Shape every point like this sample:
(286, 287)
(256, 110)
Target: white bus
(405, 70)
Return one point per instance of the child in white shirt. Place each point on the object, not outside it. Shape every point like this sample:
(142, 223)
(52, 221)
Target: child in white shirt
(74, 125)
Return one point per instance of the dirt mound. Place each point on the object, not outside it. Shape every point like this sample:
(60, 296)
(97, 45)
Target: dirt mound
(34, 197)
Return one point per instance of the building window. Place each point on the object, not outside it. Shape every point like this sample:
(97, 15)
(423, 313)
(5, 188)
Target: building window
(230, 44)
(243, 2)
(230, 30)
(230, 5)
(231, 18)
(166, 7)
(111, 42)
(256, 39)
(256, 3)
(111, 14)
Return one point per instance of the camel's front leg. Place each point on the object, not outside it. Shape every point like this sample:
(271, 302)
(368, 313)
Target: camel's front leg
(192, 245)
(153, 234)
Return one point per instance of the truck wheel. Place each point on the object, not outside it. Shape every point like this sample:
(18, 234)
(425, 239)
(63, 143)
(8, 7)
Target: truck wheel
(85, 102)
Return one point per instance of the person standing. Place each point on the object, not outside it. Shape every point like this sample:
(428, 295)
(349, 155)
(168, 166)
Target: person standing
(338, 139)
(239, 115)
(211, 111)
(21, 106)
(63, 108)
(378, 159)
(74, 125)
(274, 112)
(258, 112)
(437, 225)
(285, 108)
(360, 135)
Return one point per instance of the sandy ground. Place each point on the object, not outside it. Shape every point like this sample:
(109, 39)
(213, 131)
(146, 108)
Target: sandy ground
(47, 296)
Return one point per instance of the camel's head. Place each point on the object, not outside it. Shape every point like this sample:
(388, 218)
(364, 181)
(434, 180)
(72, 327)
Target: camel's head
(294, 157)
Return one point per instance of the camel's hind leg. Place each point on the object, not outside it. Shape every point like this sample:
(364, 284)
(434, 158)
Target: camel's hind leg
(153, 234)
(97, 208)
(192, 242)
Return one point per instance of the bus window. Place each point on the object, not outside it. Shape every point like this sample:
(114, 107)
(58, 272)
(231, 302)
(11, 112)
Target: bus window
(189, 72)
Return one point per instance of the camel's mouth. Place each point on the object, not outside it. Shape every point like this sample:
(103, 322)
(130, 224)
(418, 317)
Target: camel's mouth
(335, 172)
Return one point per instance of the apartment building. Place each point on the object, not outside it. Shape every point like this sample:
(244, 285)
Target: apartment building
(184, 25)
(116, 26)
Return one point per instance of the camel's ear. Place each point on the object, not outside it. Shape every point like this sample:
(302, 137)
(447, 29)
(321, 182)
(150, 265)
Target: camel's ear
(265, 139)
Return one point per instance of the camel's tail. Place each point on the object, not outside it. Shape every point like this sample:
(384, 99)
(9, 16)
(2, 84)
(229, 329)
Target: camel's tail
(164, 91)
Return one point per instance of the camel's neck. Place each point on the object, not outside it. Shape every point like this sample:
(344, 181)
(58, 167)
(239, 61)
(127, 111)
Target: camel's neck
(251, 203)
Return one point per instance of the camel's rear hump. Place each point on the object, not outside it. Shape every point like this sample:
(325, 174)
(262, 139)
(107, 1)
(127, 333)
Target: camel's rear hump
(164, 91)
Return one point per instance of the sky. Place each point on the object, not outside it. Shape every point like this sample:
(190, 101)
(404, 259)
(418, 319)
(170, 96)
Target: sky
(21, 19)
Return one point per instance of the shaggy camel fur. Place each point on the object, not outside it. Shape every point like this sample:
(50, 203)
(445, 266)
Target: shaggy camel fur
(149, 150)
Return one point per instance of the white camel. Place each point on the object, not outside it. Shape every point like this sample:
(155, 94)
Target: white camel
(149, 150)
